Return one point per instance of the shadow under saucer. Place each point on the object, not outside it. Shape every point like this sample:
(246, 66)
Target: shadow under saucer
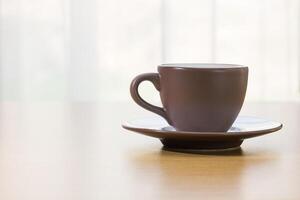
(234, 151)
(201, 145)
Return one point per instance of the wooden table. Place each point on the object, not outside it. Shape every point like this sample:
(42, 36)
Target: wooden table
(79, 151)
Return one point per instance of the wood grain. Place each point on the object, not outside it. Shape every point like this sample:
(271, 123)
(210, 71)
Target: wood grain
(79, 151)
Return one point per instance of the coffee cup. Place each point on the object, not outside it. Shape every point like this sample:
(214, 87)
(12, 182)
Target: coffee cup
(196, 97)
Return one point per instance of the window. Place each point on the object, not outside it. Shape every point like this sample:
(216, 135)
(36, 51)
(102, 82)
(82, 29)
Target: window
(73, 50)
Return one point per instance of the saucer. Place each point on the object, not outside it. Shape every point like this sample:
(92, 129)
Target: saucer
(243, 128)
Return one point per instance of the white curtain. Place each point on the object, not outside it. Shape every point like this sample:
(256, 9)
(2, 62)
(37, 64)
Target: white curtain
(71, 50)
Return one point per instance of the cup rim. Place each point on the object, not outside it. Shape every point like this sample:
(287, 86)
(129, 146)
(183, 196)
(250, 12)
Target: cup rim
(198, 66)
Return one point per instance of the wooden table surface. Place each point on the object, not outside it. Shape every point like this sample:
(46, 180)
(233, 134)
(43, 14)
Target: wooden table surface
(79, 151)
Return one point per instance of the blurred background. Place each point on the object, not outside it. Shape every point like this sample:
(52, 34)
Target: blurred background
(70, 50)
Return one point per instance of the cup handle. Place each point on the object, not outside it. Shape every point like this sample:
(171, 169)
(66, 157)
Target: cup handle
(155, 80)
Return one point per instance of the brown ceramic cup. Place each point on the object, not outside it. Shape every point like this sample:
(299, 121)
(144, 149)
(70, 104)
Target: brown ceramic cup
(196, 97)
